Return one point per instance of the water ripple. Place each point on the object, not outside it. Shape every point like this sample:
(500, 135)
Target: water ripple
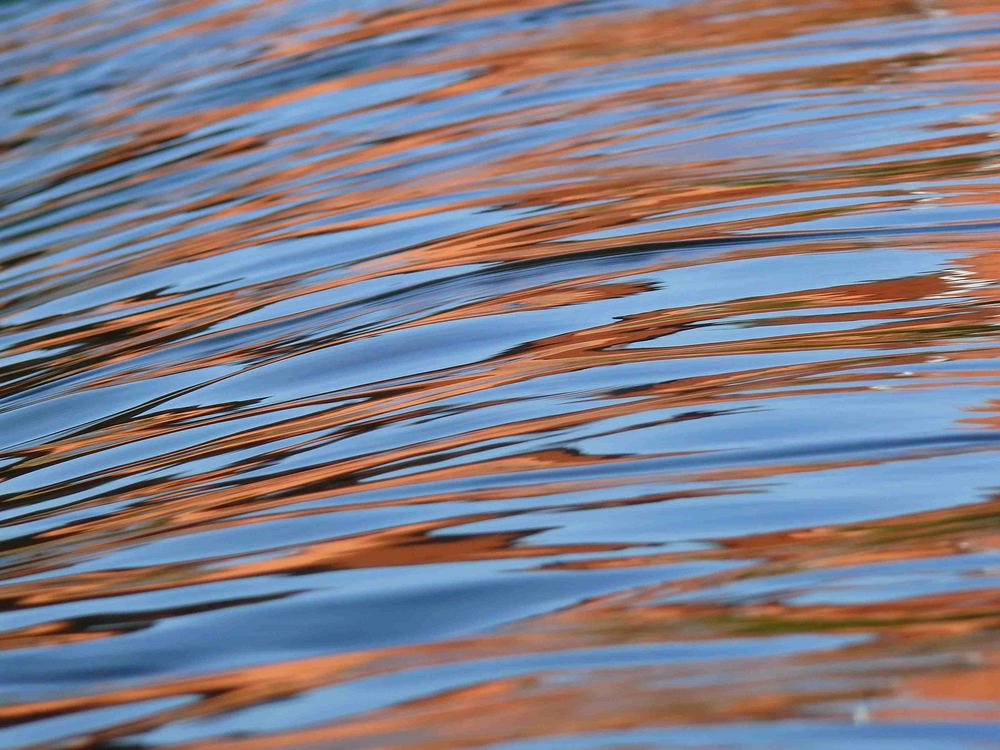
(499, 373)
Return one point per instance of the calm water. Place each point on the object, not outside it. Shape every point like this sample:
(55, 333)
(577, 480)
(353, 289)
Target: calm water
(509, 374)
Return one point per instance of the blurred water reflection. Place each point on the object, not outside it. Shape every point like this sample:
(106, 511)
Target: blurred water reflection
(516, 374)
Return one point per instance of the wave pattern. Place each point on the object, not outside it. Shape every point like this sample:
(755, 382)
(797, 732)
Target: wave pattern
(516, 374)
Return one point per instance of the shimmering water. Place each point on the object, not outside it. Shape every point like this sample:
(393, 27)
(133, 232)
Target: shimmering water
(511, 374)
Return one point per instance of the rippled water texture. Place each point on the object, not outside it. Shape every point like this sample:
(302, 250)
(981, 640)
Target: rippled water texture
(510, 374)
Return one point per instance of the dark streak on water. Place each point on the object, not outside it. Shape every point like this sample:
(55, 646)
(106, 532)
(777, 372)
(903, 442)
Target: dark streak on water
(518, 374)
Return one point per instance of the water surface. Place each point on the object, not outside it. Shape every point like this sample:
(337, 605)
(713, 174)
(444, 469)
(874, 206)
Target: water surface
(510, 374)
